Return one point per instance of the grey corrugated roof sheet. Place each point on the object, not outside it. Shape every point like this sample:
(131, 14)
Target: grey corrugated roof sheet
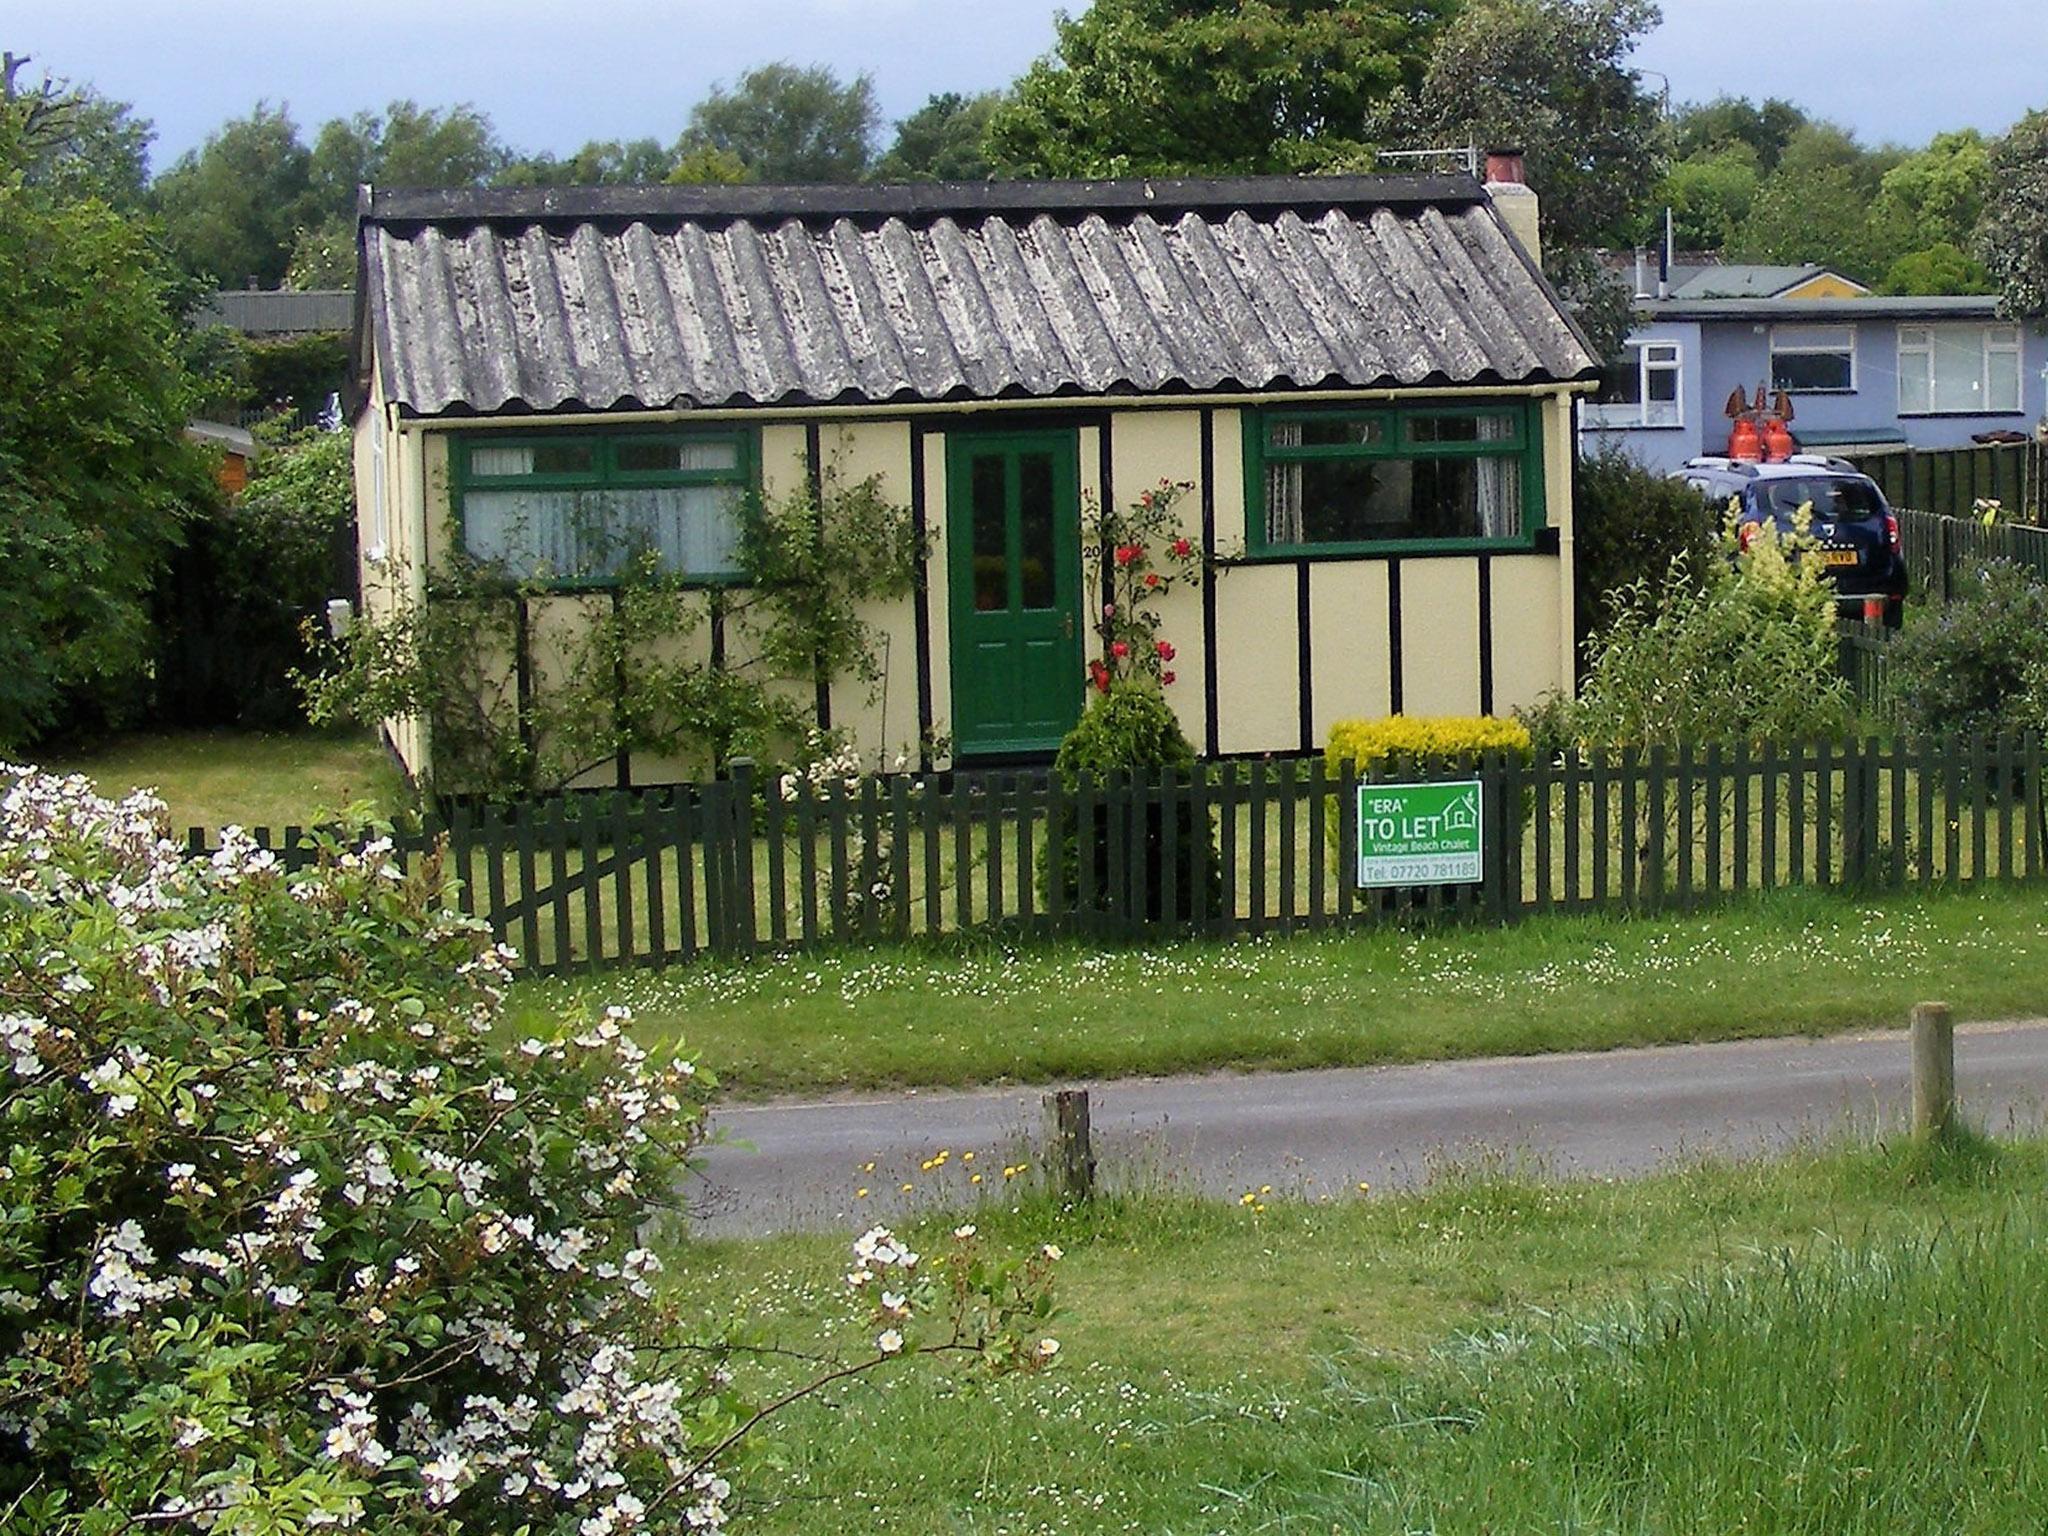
(657, 297)
(279, 312)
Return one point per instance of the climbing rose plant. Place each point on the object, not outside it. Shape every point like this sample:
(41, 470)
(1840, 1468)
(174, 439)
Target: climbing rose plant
(1145, 556)
(294, 1236)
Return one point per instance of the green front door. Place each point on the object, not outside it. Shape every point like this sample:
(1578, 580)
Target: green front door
(1013, 534)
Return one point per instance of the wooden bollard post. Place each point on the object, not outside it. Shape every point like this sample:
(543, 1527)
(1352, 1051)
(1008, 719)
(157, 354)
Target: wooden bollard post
(1934, 1069)
(1069, 1153)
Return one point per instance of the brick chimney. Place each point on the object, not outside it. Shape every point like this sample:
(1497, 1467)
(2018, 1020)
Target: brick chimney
(1511, 197)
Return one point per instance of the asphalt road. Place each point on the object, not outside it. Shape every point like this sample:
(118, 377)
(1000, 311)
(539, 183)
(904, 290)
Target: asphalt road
(1315, 1134)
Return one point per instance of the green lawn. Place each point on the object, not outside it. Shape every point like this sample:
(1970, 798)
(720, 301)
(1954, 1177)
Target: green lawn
(1845, 1342)
(215, 778)
(982, 1013)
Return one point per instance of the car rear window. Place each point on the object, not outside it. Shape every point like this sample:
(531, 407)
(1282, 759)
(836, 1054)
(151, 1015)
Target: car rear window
(1834, 500)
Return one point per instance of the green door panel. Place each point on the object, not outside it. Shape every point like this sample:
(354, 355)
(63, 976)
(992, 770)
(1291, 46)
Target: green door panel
(1013, 537)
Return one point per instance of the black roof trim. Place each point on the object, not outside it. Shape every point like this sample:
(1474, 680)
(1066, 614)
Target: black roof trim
(913, 202)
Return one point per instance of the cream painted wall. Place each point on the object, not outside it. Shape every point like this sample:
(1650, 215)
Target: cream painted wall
(880, 719)
(1526, 620)
(1146, 447)
(1258, 705)
(1349, 673)
(1440, 637)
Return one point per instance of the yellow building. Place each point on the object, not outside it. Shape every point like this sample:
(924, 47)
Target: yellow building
(1365, 381)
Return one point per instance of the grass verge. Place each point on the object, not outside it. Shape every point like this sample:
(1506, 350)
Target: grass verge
(1796, 961)
(248, 778)
(1844, 1342)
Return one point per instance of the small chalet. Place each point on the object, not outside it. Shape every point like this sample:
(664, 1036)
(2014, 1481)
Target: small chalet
(1367, 381)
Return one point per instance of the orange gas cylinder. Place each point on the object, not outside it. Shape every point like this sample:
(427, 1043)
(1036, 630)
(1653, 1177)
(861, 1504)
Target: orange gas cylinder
(1777, 438)
(1743, 442)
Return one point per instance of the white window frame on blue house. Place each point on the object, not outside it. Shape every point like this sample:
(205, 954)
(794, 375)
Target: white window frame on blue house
(1655, 359)
(1813, 341)
(1992, 388)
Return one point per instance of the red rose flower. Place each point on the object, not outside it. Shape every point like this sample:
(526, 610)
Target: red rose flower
(1165, 649)
(1126, 553)
(1182, 549)
(1151, 578)
(1166, 677)
(1099, 675)
(1118, 649)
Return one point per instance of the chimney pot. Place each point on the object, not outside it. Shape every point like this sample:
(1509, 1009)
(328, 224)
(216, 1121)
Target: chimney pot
(1504, 167)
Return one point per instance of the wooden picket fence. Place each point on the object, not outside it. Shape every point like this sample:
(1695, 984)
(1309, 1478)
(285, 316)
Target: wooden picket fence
(1939, 549)
(612, 879)
(1948, 482)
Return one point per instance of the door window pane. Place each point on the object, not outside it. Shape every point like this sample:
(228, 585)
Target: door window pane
(1035, 528)
(990, 550)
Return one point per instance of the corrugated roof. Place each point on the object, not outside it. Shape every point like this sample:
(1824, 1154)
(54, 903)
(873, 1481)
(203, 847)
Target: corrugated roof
(279, 312)
(622, 298)
(1742, 280)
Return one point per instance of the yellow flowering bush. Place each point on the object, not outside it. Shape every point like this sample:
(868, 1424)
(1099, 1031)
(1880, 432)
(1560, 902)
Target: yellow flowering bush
(1372, 744)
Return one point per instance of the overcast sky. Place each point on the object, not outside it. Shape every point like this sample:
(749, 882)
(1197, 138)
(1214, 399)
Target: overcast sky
(552, 76)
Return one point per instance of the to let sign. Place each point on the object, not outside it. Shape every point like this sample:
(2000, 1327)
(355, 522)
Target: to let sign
(1419, 834)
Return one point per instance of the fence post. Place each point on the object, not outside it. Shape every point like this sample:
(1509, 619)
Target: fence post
(1069, 1149)
(740, 831)
(1941, 558)
(1934, 1070)
(1857, 814)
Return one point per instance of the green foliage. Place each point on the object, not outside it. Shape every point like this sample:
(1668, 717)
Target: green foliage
(296, 1237)
(600, 163)
(943, 140)
(1376, 744)
(1218, 87)
(252, 572)
(232, 208)
(1709, 194)
(1551, 76)
(322, 256)
(95, 476)
(2012, 236)
(1629, 524)
(706, 166)
(1819, 205)
(297, 372)
(74, 143)
(1742, 651)
(786, 124)
(628, 683)
(405, 145)
(1934, 196)
(1942, 268)
(1973, 664)
(1129, 732)
(1727, 121)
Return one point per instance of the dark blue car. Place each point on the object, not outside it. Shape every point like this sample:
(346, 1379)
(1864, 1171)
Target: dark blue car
(1857, 531)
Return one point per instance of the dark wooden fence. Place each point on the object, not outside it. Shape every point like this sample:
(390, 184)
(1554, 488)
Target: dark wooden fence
(1949, 481)
(1938, 548)
(722, 868)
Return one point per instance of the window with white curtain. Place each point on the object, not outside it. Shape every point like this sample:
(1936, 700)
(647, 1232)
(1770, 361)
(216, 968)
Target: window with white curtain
(1350, 480)
(577, 510)
(1960, 369)
(1639, 388)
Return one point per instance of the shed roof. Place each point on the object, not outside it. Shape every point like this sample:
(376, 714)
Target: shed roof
(622, 298)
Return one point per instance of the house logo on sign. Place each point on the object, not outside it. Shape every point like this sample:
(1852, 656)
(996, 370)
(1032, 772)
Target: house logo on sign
(1462, 814)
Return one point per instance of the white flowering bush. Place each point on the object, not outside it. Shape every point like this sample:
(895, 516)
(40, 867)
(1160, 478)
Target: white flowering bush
(292, 1238)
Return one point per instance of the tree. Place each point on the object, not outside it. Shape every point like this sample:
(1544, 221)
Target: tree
(1942, 268)
(1704, 128)
(946, 139)
(708, 167)
(1215, 87)
(95, 475)
(787, 124)
(404, 146)
(1819, 206)
(1709, 194)
(1550, 77)
(1935, 196)
(600, 163)
(2012, 236)
(76, 142)
(232, 209)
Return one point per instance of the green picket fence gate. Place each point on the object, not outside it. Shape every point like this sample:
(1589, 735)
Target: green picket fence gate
(1234, 849)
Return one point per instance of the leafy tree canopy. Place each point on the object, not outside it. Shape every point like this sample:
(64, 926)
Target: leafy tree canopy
(1163, 87)
(1820, 205)
(1941, 268)
(76, 142)
(600, 163)
(1935, 195)
(787, 124)
(2012, 236)
(1551, 77)
(946, 139)
(95, 475)
(1709, 193)
(1704, 128)
(232, 209)
(405, 145)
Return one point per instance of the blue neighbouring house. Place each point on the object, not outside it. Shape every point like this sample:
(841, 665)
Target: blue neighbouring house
(1863, 371)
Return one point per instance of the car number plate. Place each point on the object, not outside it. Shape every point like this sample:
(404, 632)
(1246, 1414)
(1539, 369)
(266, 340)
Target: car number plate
(1838, 557)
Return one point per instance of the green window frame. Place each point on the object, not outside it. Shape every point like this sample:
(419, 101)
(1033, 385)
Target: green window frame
(585, 503)
(1334, 445)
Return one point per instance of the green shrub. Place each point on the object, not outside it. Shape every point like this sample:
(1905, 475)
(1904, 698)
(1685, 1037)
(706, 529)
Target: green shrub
(293, 1238)
(1629, 524)
(1376, 744)
(1745, 650)
(1130, 730)
(1973, 664)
